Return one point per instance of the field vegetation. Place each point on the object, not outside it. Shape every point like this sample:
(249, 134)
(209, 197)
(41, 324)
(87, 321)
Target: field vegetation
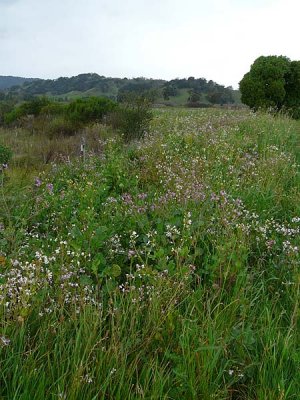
(163, 264)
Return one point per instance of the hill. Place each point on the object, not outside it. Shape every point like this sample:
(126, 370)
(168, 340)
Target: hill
(190, 91)
(6, 82)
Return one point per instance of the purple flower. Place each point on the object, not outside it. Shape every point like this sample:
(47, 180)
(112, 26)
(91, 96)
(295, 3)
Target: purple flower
(37, 182)
(50, 187)
(214, 197)
(142, 196)
(126, 197)
(270, 244)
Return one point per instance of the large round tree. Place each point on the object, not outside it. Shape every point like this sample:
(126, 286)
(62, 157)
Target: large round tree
(272, 81)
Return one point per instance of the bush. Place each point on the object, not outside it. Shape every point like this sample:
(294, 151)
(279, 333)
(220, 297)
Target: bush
(295, 112)
(12, 116)
(5, 108)
(132, 117)
(5, 155)
(54, 108)
(32, 107)
(93, 109)
(61, 126)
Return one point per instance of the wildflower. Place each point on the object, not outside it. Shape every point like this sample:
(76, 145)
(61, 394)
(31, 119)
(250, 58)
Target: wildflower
(127, 199)
(131, 253)
(87, 378)
(37, 182)
(4, 341)
(50, 188)
(270, 243)
(142, 196)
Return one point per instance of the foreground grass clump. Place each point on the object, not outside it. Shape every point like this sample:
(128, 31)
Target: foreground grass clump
(166, 269)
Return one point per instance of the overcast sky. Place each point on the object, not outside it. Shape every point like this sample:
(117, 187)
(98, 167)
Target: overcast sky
(214, 39)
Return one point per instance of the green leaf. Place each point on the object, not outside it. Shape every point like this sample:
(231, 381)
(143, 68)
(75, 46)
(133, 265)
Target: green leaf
(86, 280)
(98, 262)
(112, 271)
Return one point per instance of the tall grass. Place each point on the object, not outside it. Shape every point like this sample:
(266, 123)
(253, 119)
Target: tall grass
(163, 269)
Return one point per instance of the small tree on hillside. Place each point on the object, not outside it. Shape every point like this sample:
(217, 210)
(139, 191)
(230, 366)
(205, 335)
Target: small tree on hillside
(194, 97)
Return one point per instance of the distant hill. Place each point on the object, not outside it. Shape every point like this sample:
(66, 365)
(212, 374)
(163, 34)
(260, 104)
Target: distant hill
(7, 82)
(190, 91)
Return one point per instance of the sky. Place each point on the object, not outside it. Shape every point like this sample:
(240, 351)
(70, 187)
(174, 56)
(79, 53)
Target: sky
(167, 39)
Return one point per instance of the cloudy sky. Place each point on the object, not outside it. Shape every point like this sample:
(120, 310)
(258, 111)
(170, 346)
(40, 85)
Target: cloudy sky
(214, 39)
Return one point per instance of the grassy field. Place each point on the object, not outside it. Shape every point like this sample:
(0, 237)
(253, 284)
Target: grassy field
(167, 268)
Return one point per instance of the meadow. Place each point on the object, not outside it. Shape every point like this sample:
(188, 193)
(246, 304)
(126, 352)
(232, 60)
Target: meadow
(164, 268)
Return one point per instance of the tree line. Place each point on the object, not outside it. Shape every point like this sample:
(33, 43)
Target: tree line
(199, 90)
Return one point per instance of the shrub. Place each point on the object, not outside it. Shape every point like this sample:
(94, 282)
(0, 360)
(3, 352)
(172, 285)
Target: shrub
(61, 126)
(54, 108)
(32, 107)
(12, 116)
(5, 108)
(5, 155)
(132, 117)
(93, 109)
(295, 112)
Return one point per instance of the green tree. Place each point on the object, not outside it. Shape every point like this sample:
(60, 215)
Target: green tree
(292, 87)
(194, 97)
(220, 95)
(169, 91)
(265, 85)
